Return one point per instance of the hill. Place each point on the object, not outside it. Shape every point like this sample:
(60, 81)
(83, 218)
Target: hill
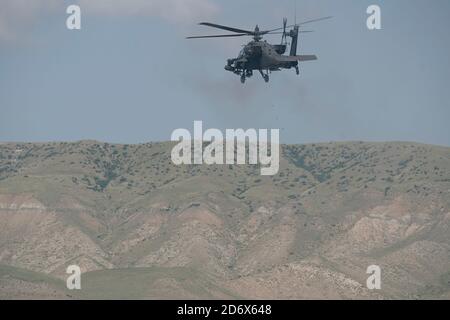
(141, 227)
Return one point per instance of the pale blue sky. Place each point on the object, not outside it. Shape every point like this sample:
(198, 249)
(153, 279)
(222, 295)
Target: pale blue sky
(134, 78)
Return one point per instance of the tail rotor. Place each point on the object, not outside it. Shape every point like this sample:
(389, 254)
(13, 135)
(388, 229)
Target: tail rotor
(284, 36)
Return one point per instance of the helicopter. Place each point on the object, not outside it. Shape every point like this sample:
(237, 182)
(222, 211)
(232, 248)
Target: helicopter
(259, 55)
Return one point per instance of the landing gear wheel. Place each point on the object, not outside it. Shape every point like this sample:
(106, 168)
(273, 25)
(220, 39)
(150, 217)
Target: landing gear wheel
(243, 78)
(297, 71)
(266, 78)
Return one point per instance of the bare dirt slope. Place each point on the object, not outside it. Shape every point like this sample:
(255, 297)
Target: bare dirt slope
(140, 227)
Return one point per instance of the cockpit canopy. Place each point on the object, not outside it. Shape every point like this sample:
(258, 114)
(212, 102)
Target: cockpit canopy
(251, 50)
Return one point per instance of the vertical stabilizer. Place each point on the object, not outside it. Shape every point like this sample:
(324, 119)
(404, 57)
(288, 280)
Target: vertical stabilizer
(294, 35)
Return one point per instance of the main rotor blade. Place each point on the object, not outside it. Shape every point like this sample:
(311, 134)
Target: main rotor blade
(314, 20)
(218, 26)
(219, 36)
(298, 24)
(301, 31)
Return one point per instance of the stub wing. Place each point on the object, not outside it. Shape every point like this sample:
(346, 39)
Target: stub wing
(300, 58)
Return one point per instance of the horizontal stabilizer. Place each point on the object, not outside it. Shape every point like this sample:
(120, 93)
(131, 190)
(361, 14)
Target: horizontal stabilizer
(306, 58)
(301, 58)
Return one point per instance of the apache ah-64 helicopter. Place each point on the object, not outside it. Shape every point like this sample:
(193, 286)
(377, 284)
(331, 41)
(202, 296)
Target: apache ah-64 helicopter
(260, 55)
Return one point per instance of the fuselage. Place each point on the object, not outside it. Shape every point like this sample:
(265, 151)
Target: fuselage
(260, 55)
